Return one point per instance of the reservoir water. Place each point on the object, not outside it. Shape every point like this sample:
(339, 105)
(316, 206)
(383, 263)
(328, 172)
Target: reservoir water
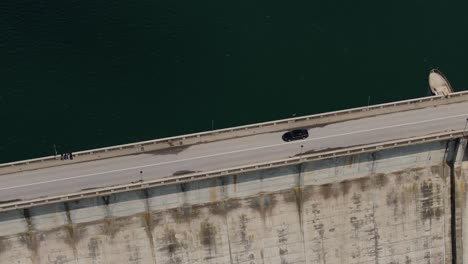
(86, 74)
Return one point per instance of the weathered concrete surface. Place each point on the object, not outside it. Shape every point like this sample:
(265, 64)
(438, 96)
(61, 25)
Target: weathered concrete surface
(388, 207)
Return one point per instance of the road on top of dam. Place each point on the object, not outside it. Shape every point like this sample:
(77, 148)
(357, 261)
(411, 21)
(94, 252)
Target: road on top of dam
(229, 153)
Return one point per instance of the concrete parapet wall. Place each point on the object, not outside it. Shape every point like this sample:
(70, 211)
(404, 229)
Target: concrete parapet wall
(241, 131)
(390, 206)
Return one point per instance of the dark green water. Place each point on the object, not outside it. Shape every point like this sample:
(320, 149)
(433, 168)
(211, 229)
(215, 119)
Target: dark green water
(86, 74)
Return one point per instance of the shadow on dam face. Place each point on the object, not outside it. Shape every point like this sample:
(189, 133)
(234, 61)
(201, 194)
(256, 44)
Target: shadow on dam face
(331, 210)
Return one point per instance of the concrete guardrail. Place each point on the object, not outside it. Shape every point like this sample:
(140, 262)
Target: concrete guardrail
(240, 131)
(235, 170)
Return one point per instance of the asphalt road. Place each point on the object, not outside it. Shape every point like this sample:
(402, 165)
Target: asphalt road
(229, 153)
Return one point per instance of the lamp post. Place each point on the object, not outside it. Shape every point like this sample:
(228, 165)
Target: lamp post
(55, 151)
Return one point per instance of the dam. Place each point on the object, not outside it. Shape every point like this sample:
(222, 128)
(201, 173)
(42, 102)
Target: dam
(378, 184)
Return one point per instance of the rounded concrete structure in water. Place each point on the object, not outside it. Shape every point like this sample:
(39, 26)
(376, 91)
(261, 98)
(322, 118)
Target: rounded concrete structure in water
(438, 83)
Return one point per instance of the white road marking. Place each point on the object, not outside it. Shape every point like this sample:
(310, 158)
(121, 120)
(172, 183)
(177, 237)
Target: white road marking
(230, 152)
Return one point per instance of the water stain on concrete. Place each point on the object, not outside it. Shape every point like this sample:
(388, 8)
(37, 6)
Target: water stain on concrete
(214, 191)
(458, 172)
(436, 170)
(135, 255)
(59, 259)
(356, 223)
(334, 190)
(93, 248)
(149, 221)
(297, 195)
(408, 175)
(326, 190)
(428, 210)
(364, 183)
(381, 180)
(356, 198)
(441, 170)
(245, 238)
(264, 204)
(223, 207)
(69, 237)
(407, 260)
(345, 187)
(30, 240)
(350, 160)
(399, 179)
(184, 213)
(207, 234)
(108, 228)
(234, 182)
(427, 199)
(157, 218)
(172, 245)
(392, 201)
(5, 244)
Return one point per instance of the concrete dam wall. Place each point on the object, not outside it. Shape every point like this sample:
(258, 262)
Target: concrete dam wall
(392, 206)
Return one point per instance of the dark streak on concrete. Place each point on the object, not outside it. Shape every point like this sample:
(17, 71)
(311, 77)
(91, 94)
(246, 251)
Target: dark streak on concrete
(172, 245)
(184, 213)
(363, 183)
(234, 181)
(207, 234)
(356, 198)
(223, 207)
(282, 234)
(108, 228)
(356, 223)
(106, 199)
(4, 244)
(297, 196)
(436, 170)
(381, 180)
(29, 239)
(375, 235)
(392, 201)
(345, 186)
(71, 240)
(427, 203)
(171, 241)
(243, 220)
(149, 227)
(93, 248)
(326, 190)
(156, 218)
(263, 203)
(407, 260)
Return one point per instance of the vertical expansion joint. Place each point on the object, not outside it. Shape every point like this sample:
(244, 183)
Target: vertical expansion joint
(451, 157)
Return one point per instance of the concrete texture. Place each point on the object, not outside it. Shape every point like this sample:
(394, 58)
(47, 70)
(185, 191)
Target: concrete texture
(391, 206)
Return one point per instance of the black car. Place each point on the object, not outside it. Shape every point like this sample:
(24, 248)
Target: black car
(295, 134)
